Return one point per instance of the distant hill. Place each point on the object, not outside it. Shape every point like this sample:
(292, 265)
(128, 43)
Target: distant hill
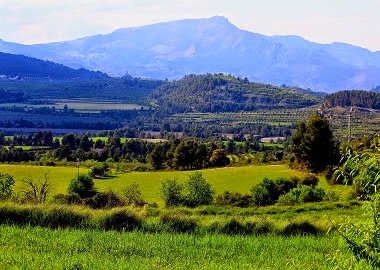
(226, 93)
(20, 66)
(174, 49)
(363, 99)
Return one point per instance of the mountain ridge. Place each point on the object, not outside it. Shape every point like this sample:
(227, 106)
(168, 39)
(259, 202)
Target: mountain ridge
(214, 45)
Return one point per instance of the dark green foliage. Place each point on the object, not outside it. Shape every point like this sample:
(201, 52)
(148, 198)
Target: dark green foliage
(198, 191)
(225, 93)
(171, 192)
(51, 218)
(82, 185)
(106, 200)
(132, 195)
(72, 198)
(233, 199)
(355, 98)
(268, 191)
(121, 220)
(178, 223)
(314, 145)
(311, 180)
(304, 228)
(6, 186)
(219, 158)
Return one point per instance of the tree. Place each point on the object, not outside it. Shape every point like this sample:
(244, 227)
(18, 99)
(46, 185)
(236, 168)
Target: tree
(199, 191)
(157, 157)
(83, 185)
(171, 192)
(313, 144)
(133, 196)
(36, 191)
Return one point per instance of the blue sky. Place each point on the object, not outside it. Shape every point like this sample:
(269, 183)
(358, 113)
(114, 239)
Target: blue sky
(324, 21)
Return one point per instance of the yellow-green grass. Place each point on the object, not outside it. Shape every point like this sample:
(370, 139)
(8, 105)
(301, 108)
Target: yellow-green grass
(238, 179)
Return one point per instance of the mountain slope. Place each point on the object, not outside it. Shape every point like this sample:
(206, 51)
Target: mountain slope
(22, 66)
(225, 93)
(174, 49)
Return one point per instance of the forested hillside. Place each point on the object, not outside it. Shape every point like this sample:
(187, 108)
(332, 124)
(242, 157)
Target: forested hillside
(226, 93)
(356, 98)
(12, 65)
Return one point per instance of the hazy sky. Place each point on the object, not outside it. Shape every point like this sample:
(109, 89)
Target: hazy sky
(38, 21)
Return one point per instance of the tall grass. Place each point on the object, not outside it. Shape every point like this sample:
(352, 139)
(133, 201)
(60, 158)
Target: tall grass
(39, 248)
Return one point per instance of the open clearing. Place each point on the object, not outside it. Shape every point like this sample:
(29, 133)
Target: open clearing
(239, 179)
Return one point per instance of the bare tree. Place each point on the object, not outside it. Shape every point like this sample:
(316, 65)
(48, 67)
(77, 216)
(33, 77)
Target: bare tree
(36, 191)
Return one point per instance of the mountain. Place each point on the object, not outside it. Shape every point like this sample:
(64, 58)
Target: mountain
(214, 45)
(20, 66)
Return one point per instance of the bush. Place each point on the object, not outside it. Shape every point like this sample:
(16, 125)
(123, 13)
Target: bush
(233, 199)
(310, 180)
(72, 198)
(302, 194)
(268, 191)
(303, 228)
(178, 223)
(99, 170)
(107, 199)
(62, 218)
(132, 195)
(83, 185)
(6, 186)
(121, 220)
(199, 192)
(171, 192)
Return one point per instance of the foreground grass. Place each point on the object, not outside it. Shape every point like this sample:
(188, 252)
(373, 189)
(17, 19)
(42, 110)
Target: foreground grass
(40, 248)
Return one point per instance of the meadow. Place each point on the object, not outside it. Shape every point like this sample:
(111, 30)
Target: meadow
(238, 179)
(40, 248)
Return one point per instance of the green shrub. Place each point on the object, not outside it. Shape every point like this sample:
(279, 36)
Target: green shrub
(120, 220)
(233, 199)
(107, 200)
(6, 186)
(99, 170)
(62, 218)
(72, 198)
(83, 185)
(171, 192)
(304, 228)
(132, 195)
(199, 191)
(310, 180)
(233, 226)
(302, 194)
(178, 223)
(268, 191)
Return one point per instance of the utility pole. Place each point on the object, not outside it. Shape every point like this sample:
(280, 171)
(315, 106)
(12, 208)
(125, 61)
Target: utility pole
(349, 124)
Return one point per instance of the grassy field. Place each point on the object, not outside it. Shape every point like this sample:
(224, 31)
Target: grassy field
(39, 248)
(239, 179)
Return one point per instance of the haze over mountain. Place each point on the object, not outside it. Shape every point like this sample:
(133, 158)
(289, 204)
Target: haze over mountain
(174, 49)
